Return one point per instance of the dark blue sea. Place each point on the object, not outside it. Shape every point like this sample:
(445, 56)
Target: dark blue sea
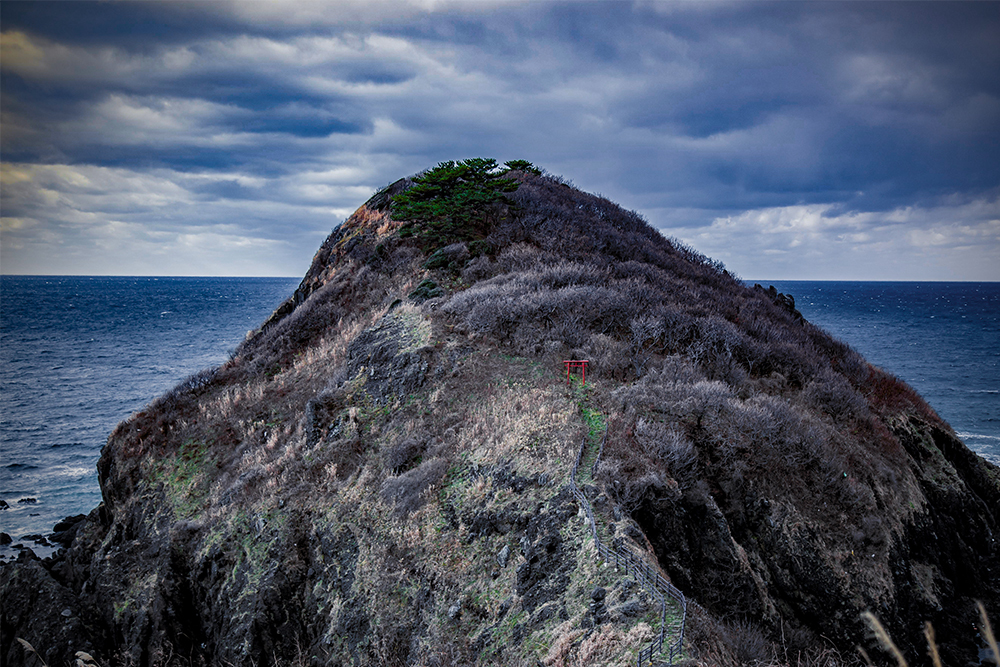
(79, 354)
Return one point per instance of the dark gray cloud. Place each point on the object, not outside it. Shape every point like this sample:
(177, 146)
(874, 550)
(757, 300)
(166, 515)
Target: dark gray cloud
(790, 140)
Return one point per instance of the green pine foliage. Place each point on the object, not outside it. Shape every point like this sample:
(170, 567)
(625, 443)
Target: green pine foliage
(454, 202)
(523, 165)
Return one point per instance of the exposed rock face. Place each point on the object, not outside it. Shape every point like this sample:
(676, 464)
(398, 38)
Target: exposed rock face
(378, 475)
(780, 565)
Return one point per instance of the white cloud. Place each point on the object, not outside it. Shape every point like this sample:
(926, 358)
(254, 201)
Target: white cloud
(311, 13)
(130, 119)
(952, 240)
(38, 58)
(99, 220)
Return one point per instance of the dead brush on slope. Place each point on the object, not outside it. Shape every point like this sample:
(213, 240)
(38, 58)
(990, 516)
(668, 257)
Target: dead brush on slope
(750, 442)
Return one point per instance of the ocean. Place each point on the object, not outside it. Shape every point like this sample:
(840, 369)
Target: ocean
(79, 354)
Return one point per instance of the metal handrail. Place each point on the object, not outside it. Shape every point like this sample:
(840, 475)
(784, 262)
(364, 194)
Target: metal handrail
(639, 567)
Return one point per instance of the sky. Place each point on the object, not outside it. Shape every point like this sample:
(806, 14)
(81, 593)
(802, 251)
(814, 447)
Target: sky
(790, 140)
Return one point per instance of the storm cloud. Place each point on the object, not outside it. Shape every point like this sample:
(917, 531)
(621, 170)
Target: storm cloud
(790, 140)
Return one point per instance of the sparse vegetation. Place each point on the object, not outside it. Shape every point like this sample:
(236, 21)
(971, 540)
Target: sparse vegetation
(377, 474)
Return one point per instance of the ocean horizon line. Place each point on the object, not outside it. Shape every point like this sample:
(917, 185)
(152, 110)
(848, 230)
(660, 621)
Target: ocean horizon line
(157, 277)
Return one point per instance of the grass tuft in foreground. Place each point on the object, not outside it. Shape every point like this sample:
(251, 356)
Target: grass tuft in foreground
(889, 646)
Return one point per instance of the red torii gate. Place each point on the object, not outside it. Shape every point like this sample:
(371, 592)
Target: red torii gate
(576, 363)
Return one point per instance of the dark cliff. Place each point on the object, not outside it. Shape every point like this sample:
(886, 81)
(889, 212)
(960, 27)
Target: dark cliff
(379, 473)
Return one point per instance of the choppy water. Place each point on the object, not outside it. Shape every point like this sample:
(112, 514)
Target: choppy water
(79, 354)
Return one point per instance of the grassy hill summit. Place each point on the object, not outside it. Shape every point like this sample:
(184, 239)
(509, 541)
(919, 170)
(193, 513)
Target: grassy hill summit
(394, 469)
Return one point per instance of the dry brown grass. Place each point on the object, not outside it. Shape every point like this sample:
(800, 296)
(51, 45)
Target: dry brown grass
(30, 650)
(885, 641)
(932, 649)
(518, 421)
(604, 647)
(987, 632)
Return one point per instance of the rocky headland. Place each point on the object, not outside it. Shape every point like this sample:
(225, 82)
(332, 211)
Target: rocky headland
(381, 473)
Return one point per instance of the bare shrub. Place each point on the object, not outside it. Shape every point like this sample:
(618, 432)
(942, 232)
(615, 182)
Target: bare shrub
(705, 400)
(675, 369)
(630, 490)
(788, 359)
(643, 334)
(887, 393)
(679, 455)
(611, 309)
(715, 342)
(780, 434)
(609, 469)
(607, 357)
(406, 491)
(563, 302)
(576, 223)
(569, 332)
(521, 257)
(831, 393)
(197, 381)
(404, 454)
(852, 366)
(747, 643)
(662, 389)
(274, 347)
(677, 330)
(564, 274)
(478, 269)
